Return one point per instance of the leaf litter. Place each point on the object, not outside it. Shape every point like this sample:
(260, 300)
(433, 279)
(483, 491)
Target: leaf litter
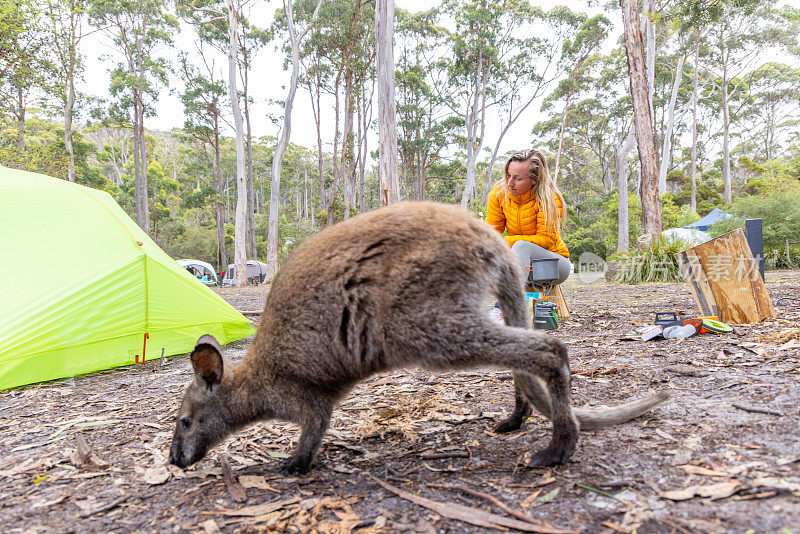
(91, 451)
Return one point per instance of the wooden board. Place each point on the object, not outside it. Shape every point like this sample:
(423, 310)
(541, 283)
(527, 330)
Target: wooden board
(724, 279)
(558, 297)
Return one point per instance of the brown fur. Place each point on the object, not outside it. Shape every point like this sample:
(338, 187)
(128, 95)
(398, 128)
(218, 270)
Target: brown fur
(403, 286)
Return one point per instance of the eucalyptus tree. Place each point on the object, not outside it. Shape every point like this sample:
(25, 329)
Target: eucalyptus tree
(742, 31)
(645, 136)
(425, 125)
(499, 59)
(202, 106)
(140, 30)
(576, 51)
(387, 118)
(295, 35)
(113, 149)
(66, 29)
(483, 32)
(211, 20)
(339, 54)
(240, 228)
(24, 65)
(771, 108)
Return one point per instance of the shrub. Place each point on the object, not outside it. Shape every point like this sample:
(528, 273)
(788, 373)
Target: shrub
(652, 263)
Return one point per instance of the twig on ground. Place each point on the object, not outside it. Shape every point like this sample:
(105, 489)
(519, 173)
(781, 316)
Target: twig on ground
(756, 409)
(440, 455)
(507, 509)
(469, 515)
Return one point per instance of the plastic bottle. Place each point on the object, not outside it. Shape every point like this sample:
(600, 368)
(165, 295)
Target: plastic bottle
(677, 332)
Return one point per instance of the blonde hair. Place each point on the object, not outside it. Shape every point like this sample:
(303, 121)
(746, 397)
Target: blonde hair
(545, 190)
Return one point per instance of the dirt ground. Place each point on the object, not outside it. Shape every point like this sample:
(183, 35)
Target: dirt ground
(413, 451)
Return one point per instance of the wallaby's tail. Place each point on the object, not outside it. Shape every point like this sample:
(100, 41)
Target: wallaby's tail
(534, 390)
(590, 419)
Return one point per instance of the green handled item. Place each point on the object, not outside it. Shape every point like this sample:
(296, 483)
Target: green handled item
(545, 316)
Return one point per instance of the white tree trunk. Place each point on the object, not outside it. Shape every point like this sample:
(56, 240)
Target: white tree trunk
(475, 116)
(650, 38)
(240, 228)
(726, 137)
(666, 144)
(561, 137)
(695, 96)
(69, 104)
(623, 240)
(280, 149)
(387, 117)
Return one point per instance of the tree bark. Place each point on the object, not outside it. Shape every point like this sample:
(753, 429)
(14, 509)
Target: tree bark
(561, 136)
(695, 96)
(726, 136)
(623, 219)
(348, 143)
(251, 201)
(137, 173)
(139, 100)
(387, 116)
(280, 149)
(645, 138)
(473, 124)
(240, 228)
(219, 206)
(666, 145)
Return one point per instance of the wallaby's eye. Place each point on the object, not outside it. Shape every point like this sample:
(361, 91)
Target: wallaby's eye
(186, 422)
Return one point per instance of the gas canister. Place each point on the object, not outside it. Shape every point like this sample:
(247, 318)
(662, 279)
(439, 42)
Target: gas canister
(545, 316)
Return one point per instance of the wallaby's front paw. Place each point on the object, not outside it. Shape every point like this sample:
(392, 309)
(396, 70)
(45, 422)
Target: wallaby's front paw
(294, 467)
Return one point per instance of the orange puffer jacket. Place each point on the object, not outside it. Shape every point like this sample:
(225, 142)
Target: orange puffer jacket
(520, 215)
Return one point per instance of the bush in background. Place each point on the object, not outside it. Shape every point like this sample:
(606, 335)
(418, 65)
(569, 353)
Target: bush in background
(652, 263)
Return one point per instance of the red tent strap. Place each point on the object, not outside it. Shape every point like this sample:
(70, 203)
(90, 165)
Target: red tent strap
(144, 348)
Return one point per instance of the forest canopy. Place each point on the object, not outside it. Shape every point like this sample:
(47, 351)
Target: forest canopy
(724, 97)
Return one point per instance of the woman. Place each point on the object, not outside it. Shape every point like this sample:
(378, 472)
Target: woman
(528, 204)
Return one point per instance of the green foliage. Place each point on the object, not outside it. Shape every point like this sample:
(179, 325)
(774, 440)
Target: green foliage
(652, 263)
(674, 215)
(778, 208)
(182, 239)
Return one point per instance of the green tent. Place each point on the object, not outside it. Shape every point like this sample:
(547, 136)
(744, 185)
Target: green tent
(84, 288)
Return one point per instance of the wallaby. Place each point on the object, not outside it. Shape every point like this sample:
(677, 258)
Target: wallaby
(402, 286)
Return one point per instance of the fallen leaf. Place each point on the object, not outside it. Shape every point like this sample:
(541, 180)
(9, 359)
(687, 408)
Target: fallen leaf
(210, 527)
(156, 475)
(530, 498)
(697, 470)
(204, 473)
(714, 491)
(259, 509)
(549, 496)
(255, 481)
(775, 483)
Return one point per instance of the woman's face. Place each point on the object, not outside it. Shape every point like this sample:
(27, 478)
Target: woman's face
(518, 179)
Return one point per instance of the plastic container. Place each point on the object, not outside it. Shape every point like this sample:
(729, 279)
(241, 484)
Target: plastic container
(545, 316)
(677, 332)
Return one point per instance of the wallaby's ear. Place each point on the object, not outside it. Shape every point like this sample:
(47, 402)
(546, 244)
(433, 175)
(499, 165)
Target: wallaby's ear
(207, 362)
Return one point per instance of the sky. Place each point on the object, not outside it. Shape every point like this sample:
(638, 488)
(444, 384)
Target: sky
(269, 83)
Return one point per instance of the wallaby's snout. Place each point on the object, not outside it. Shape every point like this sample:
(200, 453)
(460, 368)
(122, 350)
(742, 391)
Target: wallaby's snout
(200, 421)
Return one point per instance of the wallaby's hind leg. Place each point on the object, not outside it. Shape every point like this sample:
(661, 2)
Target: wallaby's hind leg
(527, 390)
(314, 427)
(480, 342)
(522, 410)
